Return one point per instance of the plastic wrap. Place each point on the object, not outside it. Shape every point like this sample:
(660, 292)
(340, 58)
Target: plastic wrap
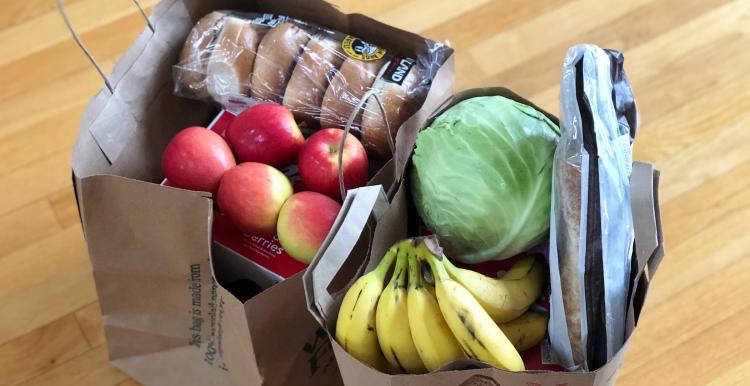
(240, 59)
(591, 232)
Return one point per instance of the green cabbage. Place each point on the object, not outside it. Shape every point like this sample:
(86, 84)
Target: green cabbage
(481, 178)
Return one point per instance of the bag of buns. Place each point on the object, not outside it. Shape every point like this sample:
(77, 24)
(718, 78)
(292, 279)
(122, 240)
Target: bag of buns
(326, 78)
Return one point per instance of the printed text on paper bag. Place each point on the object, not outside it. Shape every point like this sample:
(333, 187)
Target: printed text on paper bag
(213, 352)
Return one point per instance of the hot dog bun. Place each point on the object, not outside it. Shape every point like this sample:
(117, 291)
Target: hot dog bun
(309, 81)
(399, 103)
(276, 56)
(190, 71)
(232, 57)
(347, 87)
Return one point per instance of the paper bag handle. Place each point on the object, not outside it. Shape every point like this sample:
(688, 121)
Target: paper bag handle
(69, 25)
(649, 240)
(359, 206)
(647, 221)
(655, 259)
(348, 127)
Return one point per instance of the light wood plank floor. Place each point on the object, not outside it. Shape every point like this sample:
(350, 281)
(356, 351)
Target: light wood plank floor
(688, 61)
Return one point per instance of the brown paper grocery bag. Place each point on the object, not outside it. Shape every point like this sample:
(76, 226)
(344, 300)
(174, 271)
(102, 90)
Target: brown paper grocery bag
(167, 316)
(372, 225)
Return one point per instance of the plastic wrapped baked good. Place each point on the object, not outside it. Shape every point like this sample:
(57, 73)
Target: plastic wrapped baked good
(240, 59)
(275, 59)
(190, 74)
(310, 78)
(348, 85)
(395, 89)
(591, 232)
(231, 61)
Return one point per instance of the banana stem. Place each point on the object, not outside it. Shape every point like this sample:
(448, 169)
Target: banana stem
(415, 276)
(387, 261)
(438, 270)
(399, 273)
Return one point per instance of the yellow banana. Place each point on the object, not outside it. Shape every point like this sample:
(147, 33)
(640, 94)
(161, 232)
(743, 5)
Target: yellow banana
(507, 298)
(432, 337)
(526, 331)
(355, 325)
(392, 321)
(476, 332)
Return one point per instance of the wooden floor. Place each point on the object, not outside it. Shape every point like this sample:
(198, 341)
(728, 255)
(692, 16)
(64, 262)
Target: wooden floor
(689, 63)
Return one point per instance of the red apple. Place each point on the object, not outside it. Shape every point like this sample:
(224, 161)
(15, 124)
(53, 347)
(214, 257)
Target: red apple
(319, 162)
(251, 195)
(196, 158)
(265, 133)
(304, 222)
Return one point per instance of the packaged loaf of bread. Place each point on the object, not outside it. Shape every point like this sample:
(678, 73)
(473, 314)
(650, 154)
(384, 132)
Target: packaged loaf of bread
(591, 228)
(325, 77)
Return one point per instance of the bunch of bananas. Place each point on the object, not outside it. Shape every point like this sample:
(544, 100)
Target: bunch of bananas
(414, 325)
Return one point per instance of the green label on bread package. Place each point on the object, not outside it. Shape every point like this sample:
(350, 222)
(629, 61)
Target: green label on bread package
(359, 49)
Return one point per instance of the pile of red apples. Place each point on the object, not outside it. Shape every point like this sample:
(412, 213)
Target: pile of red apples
(243, 171)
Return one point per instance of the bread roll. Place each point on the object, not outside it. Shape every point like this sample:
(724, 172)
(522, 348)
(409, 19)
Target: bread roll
(347, 87)
(309, 80)
(190, 72)
(275, 59)
(399, 103)
(232, 57)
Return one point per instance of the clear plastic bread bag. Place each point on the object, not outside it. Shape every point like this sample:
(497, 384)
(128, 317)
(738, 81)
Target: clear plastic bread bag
(240, 59)
(591, 232)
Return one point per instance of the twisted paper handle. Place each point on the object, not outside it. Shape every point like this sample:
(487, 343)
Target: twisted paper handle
(61, 8)
(347, 128)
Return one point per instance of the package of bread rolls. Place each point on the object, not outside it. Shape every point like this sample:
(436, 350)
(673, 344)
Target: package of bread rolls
(324, 77)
